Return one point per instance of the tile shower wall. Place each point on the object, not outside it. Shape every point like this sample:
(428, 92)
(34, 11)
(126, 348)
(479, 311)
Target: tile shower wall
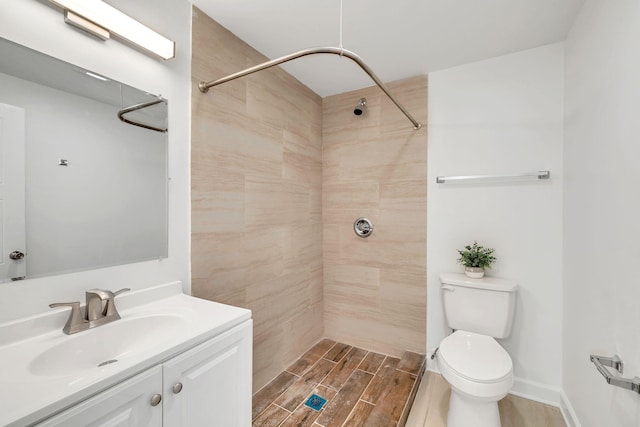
(375, 166)
(256, 178)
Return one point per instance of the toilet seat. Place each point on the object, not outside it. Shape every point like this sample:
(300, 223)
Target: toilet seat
(475, 364)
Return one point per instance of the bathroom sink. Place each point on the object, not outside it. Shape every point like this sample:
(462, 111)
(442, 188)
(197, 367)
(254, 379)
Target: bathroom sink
(51, 371)
(104, 346)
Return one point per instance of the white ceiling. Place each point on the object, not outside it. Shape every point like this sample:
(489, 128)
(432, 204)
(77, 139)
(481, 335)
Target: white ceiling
(396, 38)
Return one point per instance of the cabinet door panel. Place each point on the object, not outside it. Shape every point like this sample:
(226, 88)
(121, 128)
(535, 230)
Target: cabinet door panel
(216, 382)
(125, 405)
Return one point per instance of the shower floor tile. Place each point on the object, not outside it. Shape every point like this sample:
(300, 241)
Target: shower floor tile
(362, 388)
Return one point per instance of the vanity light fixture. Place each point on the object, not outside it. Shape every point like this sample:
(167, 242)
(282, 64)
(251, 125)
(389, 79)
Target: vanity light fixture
(99, 18)
(88, 26)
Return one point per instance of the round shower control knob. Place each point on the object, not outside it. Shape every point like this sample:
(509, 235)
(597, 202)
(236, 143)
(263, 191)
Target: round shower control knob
(363, 227)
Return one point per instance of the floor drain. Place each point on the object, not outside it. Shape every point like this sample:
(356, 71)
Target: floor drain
(315, 402)
(108, 362)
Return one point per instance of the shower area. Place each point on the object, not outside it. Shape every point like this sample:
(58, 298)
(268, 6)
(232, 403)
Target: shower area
(278, 177)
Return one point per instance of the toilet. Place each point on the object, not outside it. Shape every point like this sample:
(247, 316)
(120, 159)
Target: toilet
(479, 370)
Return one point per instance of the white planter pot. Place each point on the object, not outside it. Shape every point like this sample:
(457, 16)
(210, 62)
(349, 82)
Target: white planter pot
(474, 272)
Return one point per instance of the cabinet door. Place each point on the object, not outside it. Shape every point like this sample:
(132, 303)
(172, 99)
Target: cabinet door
(128, 404)
(210, 385)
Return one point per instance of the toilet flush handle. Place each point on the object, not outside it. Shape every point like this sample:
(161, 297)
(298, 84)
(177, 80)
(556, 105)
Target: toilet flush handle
(448, 288)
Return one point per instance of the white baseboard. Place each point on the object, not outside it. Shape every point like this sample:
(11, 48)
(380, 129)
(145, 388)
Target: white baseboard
(568, 413)
(538, 392)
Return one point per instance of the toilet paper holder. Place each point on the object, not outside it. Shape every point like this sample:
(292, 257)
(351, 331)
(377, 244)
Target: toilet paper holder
(616, 363)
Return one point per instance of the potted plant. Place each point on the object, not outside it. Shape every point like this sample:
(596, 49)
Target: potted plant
(475, 259)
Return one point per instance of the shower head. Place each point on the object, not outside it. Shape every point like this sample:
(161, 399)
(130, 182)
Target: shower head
(360, 107)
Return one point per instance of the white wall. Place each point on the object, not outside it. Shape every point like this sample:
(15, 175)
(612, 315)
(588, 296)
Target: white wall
(502, 116)
(40, 26)
(602, 209)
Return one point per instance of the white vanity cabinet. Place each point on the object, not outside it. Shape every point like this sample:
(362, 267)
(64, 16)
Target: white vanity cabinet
(126, 404)
(208, 385)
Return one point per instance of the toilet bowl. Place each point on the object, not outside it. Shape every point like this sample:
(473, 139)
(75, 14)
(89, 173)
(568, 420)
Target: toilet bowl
(480, 373)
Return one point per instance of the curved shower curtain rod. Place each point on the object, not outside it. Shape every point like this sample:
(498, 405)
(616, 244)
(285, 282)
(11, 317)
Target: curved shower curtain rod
(140, 106)
(204, 86)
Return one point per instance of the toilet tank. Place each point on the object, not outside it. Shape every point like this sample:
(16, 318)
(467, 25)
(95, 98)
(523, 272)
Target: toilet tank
(484, 306)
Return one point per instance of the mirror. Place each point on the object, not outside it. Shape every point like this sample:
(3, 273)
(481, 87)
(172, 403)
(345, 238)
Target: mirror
(83, 168)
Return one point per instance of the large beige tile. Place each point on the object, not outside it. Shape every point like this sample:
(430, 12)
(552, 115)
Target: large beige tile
(385, 338)
(301, 168)
(265, 200)
(263, 252)
(216, 254)
(394, 246)
(282, 299)
(403, 202)
(301, 246)
(268, 356)
(225, 293)
(349, 288)
(301, 331)
(383, 159)
(298, 138)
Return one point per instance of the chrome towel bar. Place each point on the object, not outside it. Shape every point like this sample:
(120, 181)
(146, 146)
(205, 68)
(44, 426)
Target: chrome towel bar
(615, 362)
(472, 178)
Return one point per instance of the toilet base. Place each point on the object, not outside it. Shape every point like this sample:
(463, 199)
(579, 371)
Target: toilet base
(465, 411)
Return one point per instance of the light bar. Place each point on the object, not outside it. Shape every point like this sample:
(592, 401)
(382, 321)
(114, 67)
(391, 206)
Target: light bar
(88, 26)
(120, 24)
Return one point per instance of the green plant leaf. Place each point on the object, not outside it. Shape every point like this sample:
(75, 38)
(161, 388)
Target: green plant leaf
(476, 256)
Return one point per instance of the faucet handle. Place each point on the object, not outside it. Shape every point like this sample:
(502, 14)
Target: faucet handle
(73, 305)
(75, 320)
(65, 304)
(116, 293)
(110, 308)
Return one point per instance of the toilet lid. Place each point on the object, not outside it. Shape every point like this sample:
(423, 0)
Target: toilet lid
(475, 357)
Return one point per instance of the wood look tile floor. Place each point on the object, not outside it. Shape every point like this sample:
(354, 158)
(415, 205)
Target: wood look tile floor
(361, 388)
(431, 406)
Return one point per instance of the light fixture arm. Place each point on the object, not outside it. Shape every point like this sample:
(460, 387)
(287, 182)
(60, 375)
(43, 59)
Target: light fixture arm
(205, 86)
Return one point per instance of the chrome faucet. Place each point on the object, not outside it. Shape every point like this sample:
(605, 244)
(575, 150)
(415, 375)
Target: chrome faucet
(100, 310)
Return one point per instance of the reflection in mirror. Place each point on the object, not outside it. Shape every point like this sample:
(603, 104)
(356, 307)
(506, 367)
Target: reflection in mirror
(83, 169)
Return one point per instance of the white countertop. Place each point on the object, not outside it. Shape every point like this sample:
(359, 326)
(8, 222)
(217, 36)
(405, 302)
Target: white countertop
(27, 397)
